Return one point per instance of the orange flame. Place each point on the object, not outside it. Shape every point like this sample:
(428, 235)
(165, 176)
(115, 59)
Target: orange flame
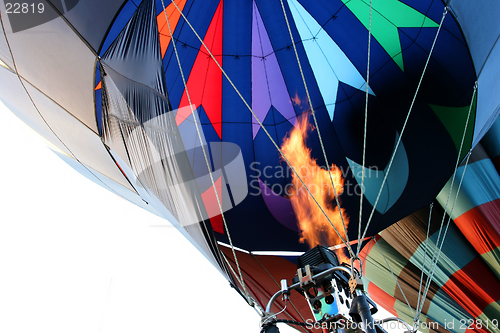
(314, 226)
(296, 100)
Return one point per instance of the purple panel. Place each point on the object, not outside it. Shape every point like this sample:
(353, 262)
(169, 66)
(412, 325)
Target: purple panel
(268, 85)
(280, 207)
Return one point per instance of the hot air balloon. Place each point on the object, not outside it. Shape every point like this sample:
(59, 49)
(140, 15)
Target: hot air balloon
(261, 129)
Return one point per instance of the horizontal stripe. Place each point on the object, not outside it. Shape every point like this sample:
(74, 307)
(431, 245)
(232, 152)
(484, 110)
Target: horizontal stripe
(491, 312)
(480, 185)
(408, 234)
(481, 226)
(409, 281)
(474, 287)
(365, 252)
(382, 298)
(382, 259)
(455, 254)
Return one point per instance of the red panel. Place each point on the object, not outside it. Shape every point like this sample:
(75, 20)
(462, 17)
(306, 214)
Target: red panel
(382, 298)
(262, 274)
(205, 80)
(481, 226)
(474, 287)
(365, 252)
(217, 224)
(173, 18)
(212, 206)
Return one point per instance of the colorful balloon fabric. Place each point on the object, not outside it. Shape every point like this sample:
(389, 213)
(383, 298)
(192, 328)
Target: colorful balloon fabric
(180, 107)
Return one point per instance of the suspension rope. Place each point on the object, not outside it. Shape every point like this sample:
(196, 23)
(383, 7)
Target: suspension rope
(366, 124)
(370, 244)
(417, 318)
(404, 125)
(457, 161)
(241, 281)
(429, 280)
(232, 269)
(317, 128)
(259, 122)
(395, 279)
(277, 284)
(436, 256)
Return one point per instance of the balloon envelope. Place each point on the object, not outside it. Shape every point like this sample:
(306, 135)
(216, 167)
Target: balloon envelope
(104, 83)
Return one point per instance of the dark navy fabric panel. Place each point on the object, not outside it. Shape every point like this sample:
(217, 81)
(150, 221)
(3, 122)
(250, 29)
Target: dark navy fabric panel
(121, 20)
(92, 18)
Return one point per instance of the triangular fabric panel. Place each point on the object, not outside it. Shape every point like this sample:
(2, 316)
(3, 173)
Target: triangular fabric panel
(387, 17)
(454, 120)
(268, 84)
(205, 80)
(212, 205)
(135, 54)
(328, 61)
(173, 15)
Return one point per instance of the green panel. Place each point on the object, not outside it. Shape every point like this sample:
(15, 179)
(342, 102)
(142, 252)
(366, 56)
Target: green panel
(490, 318)
(376, 267)
(405, 314)
(403, 311)
(492, 259)
(453, 119)
(387, 17)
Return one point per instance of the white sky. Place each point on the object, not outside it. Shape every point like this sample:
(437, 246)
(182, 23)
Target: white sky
(75, 257)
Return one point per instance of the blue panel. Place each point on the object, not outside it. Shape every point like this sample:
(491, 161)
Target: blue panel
(237, 28)
(98, 99)
(488, 103)
(481, 30)
(479, 25)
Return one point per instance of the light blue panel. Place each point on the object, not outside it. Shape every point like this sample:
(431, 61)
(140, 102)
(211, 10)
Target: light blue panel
(488, 102)
(328, 61)
(373, 179)
(447, 312)
(481, 28)
(480, 25)
(480, 185)
(456, 253)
